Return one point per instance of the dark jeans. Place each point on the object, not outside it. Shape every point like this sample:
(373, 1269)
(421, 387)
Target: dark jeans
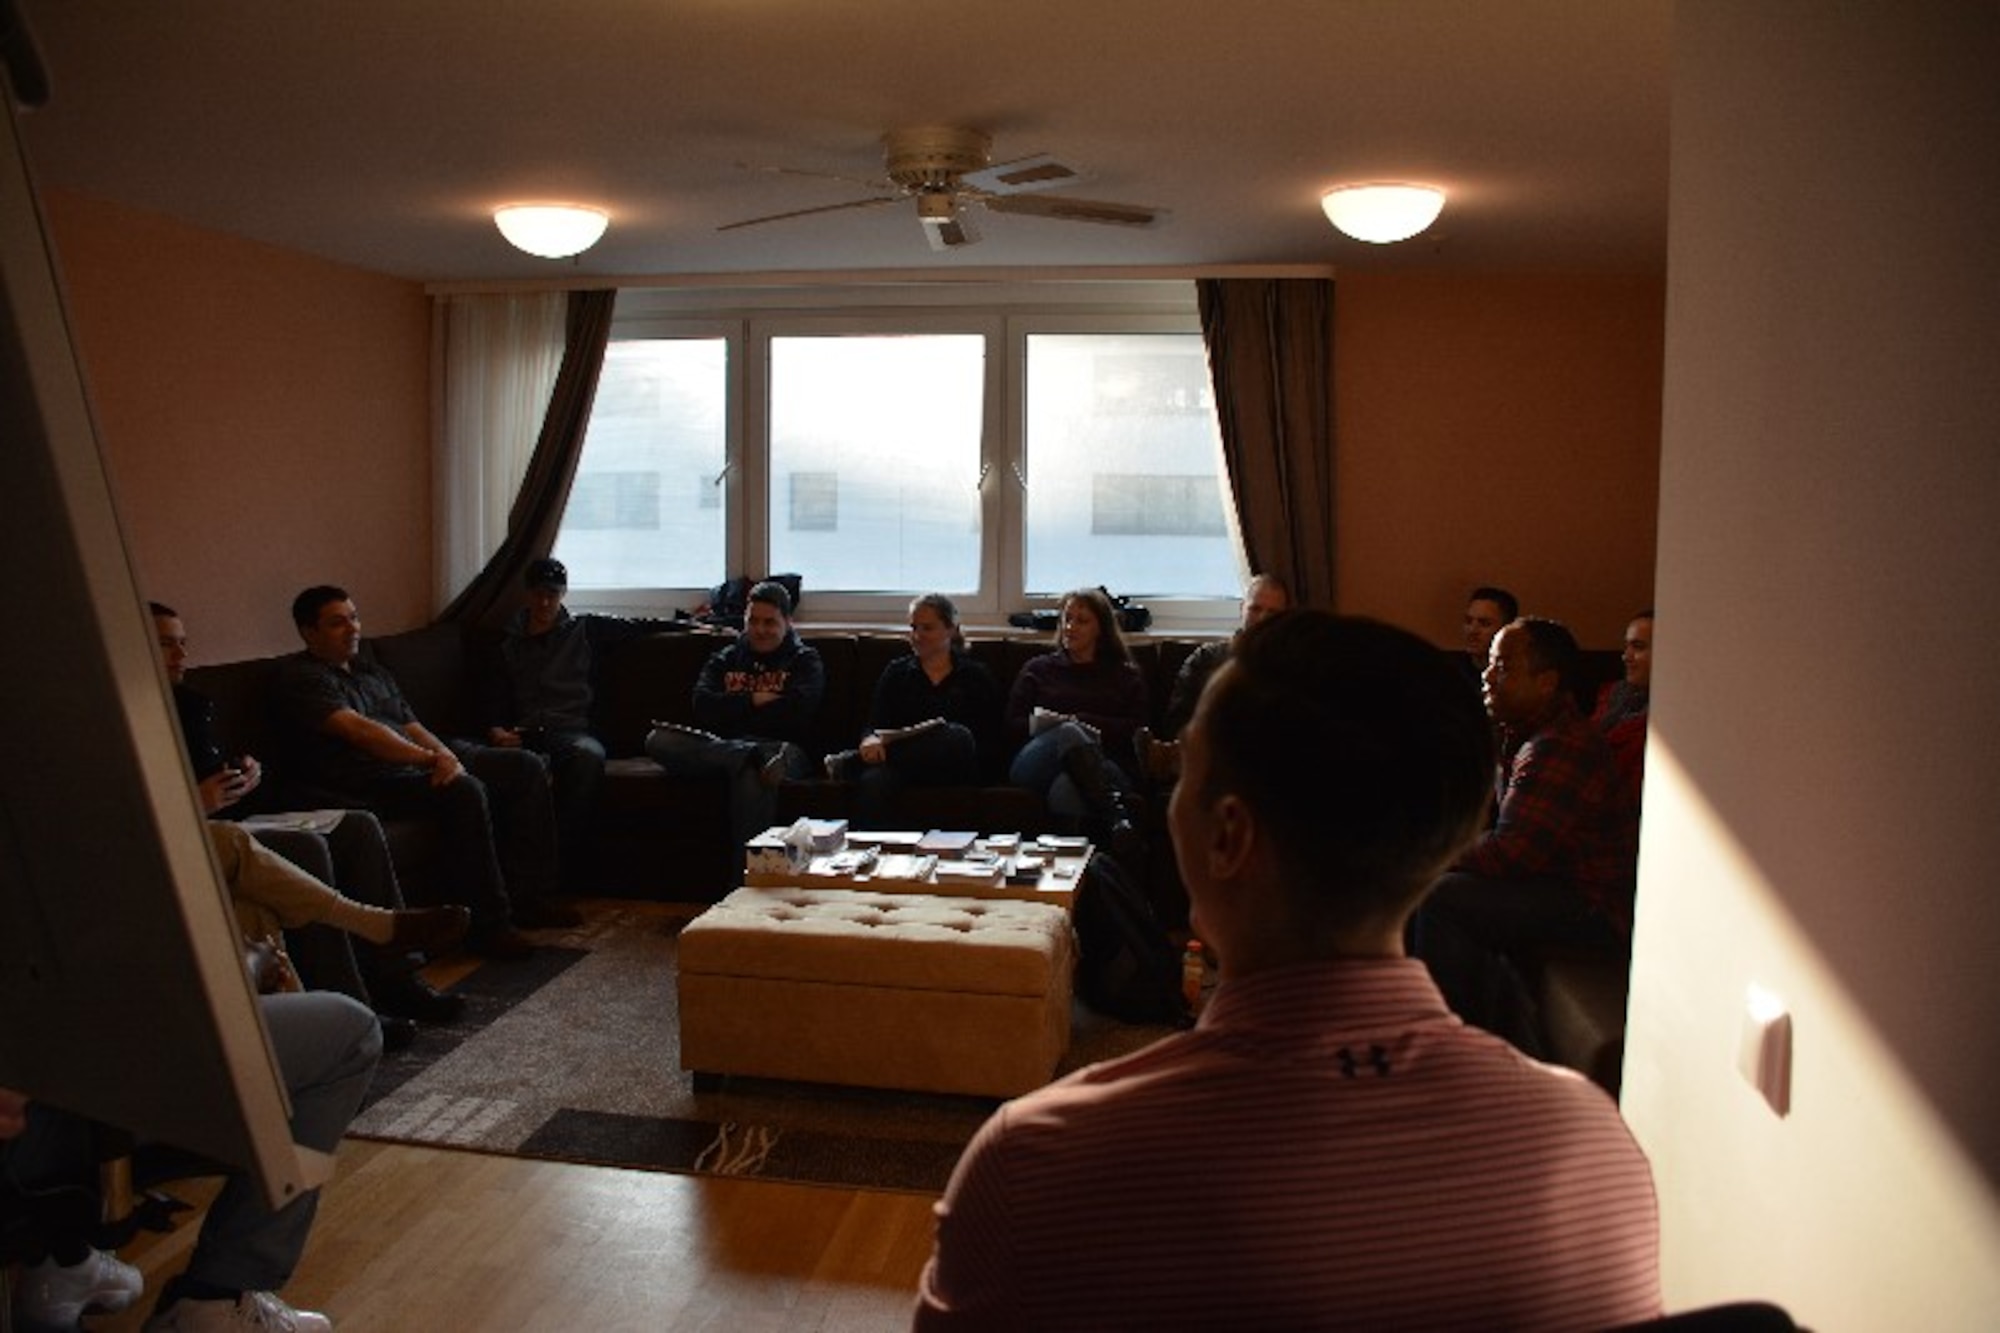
(497, 822)
(326, 1046)
(1472, 932)
(752, 805)
(945, 757)
(576, 771)
(1041, 768)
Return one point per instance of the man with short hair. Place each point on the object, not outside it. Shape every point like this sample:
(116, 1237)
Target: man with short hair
(1329, 1147)
(538, 697)
(754, 705)
(1486, 610)
(1160, 760)
(1557, 863)
(359, 741)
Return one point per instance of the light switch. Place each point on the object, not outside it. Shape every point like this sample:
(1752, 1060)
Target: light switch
(1765, 1056)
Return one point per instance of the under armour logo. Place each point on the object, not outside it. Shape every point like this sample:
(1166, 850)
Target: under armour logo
(1378, 1057)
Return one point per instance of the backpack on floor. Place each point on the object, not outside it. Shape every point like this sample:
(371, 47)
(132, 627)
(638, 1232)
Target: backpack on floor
(1127, 967)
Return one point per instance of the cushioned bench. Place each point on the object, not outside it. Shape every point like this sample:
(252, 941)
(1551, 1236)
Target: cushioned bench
(887, 990)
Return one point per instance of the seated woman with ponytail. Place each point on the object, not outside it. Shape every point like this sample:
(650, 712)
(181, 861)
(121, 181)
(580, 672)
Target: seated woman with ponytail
(1073, 707)
(935, 721)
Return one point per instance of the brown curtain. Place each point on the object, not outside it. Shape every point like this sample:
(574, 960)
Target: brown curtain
(1270, 351)
(537, 513)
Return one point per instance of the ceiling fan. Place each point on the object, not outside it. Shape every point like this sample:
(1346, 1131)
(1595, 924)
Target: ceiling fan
(948, 170)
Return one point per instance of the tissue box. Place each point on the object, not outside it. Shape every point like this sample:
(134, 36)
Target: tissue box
(767, 854)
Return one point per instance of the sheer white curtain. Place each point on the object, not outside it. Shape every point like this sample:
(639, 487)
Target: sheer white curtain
(499, 363)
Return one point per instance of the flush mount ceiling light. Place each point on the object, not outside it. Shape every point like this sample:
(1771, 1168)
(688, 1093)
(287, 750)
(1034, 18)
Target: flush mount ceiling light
(553, 231)
(1382, 213)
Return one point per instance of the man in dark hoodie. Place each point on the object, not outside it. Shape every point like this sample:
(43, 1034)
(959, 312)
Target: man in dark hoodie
(754, 705)
(538, 697)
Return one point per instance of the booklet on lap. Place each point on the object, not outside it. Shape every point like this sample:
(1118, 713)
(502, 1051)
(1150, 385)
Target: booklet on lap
(1042, 719)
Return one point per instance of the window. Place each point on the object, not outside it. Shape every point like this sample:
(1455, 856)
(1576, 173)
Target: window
(1124, 463)
(875, 440)
(998, 443)
(644, 510)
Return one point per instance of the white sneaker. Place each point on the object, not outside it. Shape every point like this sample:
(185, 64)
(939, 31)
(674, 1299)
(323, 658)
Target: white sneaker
(251, 1310)
(52, 1296)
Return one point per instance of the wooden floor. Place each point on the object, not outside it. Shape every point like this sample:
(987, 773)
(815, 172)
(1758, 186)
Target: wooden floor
(412, 1239)
(432, 1239)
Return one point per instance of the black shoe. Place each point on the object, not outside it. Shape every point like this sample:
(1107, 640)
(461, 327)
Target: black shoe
(503, 944)
(429, 930)
(1091, 772)
(398, 1033)
(413, 998)
(542, 914)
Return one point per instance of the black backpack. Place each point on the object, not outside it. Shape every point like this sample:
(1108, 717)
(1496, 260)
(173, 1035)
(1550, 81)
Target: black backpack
(1127, 967)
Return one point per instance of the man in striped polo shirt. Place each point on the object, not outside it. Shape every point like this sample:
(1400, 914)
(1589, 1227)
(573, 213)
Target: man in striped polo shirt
(1330, 1146)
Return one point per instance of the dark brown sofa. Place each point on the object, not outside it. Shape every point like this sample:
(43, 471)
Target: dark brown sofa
(661, 837)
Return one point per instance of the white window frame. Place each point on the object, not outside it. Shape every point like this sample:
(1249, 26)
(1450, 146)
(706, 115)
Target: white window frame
(1006, 314)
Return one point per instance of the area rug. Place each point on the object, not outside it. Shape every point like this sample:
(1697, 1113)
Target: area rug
(574, 1055)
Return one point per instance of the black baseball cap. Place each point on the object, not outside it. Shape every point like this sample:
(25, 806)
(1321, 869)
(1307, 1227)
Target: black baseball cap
(547, 572)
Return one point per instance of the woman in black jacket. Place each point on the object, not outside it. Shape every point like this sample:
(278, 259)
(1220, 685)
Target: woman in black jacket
(935, 719)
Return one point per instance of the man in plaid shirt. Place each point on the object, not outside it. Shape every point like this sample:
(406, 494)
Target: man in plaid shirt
(1557, 863)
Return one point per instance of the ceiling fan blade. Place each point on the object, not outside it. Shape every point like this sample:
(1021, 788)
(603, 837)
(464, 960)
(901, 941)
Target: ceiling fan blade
(1040, 172)
(866, 183)
(807, 212)
(1074, 210)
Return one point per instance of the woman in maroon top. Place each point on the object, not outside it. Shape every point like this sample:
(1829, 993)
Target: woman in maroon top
(1073, 707)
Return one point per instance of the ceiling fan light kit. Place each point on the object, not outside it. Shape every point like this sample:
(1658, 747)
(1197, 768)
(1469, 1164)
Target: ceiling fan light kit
(1384, 212)
(946, 169)
(552, 231)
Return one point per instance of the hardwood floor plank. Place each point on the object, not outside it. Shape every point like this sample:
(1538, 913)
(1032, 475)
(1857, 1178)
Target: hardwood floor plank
(429, 1238)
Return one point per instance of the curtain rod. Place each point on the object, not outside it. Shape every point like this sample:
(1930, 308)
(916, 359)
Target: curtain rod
(877, 277)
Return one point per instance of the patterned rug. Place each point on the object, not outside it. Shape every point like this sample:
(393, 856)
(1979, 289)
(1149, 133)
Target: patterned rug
(574, 1055)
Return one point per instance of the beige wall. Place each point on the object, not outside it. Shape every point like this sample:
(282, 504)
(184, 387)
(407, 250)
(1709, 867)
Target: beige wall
(1826, 728)
(264, 418)
(1500, 429)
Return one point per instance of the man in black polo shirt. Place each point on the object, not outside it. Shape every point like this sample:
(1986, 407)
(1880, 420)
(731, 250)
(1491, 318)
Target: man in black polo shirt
(358, 740)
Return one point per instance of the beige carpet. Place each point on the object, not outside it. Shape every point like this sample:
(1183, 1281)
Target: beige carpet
(575, 1055)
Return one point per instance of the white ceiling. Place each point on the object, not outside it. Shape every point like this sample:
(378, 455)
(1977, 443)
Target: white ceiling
(381, 133)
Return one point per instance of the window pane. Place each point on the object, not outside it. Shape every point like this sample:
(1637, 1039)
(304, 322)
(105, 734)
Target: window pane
(875, 461)
(646, 511)
(1124, 467)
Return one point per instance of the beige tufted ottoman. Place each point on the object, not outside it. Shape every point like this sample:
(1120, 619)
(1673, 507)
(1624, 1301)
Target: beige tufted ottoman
(888, 990)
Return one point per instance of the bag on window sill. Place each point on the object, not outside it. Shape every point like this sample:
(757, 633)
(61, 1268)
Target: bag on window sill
(729, 601)
(1133, 617)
